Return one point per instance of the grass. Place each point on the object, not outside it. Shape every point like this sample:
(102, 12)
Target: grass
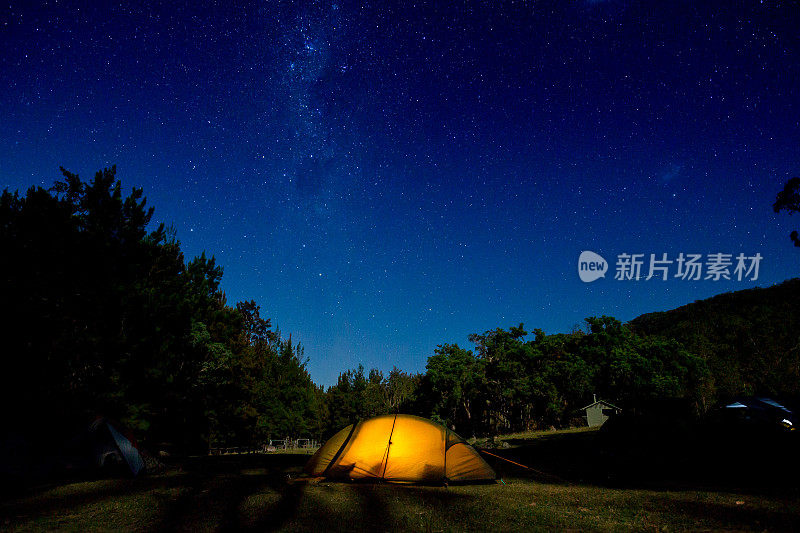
(259, 492)
(525, 437)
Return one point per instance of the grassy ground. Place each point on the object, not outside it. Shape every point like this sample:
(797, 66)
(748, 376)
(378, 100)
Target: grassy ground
(526, 438)
(263, 492)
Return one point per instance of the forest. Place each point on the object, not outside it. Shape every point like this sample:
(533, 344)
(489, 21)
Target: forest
(106, 316)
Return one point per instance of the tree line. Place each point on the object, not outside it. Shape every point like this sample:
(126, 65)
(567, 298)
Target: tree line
(509, 384)
(106, 316)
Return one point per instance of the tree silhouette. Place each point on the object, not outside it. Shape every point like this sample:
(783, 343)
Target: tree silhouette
(789, 200)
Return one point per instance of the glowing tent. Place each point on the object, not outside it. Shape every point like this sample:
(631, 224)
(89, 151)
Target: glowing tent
(399, 448)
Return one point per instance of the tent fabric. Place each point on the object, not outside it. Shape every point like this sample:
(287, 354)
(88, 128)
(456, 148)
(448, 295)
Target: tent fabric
(399, 448)
(128, 450)
(103, 446)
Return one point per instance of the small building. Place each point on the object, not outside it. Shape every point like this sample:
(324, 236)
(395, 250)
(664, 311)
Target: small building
(599, 411)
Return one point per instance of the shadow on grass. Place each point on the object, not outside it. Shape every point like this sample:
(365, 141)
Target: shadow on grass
(220, 486)
(253, 493)
(766, 464)
(380, 506)
(68, 495)
(785, 518)
(243, 494)
(202, 492)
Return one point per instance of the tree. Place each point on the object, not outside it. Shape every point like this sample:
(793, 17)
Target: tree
(399, 390)
(456, 378)
(789, 200)
(110, 319)
(96, 317)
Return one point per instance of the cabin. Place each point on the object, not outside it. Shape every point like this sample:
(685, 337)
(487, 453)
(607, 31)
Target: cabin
(599, 411)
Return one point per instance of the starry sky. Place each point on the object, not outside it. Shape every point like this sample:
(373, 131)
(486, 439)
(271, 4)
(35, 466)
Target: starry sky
(385, 177)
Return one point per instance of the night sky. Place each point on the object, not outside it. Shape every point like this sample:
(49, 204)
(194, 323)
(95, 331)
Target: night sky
(382, 179)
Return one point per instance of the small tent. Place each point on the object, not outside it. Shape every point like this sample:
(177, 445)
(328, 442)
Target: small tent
(399, 448)
(755, 412)
(103, 446)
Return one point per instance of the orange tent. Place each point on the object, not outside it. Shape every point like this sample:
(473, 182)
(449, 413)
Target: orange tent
(399, 448)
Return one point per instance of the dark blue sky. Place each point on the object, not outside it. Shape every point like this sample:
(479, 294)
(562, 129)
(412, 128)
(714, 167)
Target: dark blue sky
(385, 178)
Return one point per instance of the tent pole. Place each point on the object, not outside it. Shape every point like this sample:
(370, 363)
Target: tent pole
(339, 451)
(444, 474)
(388, 445)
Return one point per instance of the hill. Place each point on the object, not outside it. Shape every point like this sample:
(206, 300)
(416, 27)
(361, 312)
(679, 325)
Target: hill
(749, 339)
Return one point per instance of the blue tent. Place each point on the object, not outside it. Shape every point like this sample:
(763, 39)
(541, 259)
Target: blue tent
(103, 446)
(756, 410)
(127, 450)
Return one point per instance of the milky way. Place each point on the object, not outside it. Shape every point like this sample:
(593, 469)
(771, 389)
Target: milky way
(383, 179)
